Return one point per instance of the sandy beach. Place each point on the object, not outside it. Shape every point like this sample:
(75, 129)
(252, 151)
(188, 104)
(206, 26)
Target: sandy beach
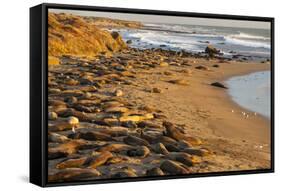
(132, 112)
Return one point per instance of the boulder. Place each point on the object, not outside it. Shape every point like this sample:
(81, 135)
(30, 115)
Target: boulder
(129, 41)
(211, 50)
(219, 85)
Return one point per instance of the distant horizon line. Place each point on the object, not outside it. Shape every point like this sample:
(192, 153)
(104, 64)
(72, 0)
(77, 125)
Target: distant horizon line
(146, 18)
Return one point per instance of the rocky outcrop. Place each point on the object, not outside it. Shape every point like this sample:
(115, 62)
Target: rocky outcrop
(211, 50)
(76, 36)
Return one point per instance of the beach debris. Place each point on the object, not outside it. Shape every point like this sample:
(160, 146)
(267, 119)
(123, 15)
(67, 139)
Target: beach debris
(216, 66)
(219, 84)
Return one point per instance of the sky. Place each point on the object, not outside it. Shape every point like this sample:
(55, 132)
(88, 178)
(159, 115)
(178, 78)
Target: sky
(169, 19)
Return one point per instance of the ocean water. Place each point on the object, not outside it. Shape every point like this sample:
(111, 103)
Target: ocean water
(252, 92)
(251, 43)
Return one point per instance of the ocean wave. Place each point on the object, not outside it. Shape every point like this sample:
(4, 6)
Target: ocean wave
(169, 40)
(226, 41)
(179, 28)
(242, 35)
(248, 43)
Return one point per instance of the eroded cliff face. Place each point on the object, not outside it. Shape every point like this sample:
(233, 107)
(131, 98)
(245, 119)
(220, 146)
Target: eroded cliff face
(77, 36)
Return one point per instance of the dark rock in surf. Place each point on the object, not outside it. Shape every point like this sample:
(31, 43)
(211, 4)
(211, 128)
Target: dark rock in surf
(219, 85)
(211, 50)
(129, 41)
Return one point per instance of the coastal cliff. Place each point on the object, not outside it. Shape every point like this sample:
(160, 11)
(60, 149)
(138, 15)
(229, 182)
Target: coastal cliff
(76, 36)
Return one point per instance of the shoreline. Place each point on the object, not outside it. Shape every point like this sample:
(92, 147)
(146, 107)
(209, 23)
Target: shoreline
(219, 124)
(237, 106)
(249, 109)
(252, 135)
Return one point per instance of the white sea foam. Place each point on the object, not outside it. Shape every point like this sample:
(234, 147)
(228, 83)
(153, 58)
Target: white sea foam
(249, 36)
(230, 41)
(249, 43)
(170, 40)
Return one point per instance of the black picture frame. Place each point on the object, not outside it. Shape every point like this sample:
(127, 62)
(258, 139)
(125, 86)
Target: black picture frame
(39, 93)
